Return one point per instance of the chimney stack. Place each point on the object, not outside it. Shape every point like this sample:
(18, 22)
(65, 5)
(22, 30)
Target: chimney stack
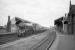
(8, 24)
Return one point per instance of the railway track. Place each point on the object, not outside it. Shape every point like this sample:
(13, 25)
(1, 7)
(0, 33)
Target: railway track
(46, 43)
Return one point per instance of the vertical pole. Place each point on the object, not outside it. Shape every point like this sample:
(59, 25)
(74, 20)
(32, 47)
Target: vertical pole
(72, 22)
(63, 24)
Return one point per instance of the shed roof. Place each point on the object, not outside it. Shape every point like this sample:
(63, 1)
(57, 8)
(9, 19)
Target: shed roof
(25, 21)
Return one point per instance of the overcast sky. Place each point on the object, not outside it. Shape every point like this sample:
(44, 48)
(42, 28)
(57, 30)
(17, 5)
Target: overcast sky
(43, 12)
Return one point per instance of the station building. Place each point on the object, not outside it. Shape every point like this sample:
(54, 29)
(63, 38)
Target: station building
(67, 23)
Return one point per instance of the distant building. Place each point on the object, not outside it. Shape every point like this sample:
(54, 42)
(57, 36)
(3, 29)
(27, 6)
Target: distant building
(2, 29)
